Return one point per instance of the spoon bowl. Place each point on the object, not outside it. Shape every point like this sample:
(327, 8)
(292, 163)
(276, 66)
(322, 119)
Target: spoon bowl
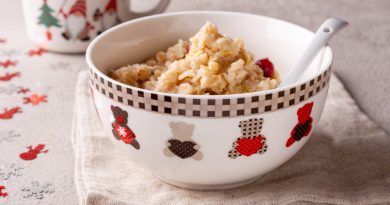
(320, 39)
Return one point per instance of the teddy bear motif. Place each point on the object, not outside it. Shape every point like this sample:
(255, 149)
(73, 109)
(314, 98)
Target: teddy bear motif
(304, 125)
(251, 142)
(181, 143)
(120, 130)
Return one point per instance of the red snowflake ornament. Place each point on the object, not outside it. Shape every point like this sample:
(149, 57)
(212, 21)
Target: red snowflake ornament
(32, 153)
(2, 193)
(9, 76)
(37, 52)
(23, 90)
(9, 113)
(8, 63)
(35, 99)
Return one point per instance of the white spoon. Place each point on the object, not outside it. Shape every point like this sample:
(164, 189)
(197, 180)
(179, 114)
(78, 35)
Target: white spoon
(326, 31)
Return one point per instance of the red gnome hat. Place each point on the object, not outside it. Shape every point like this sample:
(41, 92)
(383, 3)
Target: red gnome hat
(111, 6)
(78, 6)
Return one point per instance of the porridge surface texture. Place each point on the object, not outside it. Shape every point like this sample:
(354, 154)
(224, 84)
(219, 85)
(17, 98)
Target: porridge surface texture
(208, 64)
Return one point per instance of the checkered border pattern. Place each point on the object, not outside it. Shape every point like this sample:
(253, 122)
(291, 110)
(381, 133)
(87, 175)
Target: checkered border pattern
(210, 108)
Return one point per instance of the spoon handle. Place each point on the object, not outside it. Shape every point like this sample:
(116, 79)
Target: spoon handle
(326, 31)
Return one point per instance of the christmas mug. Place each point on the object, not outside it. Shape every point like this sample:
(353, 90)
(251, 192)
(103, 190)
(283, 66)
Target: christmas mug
(69, 25)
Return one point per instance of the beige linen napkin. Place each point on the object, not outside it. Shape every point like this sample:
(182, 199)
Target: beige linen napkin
(347, 161)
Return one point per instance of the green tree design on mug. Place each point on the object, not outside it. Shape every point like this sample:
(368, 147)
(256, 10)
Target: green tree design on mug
(47, 19)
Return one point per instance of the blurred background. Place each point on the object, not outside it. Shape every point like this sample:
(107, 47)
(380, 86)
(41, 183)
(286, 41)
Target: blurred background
(362, 51)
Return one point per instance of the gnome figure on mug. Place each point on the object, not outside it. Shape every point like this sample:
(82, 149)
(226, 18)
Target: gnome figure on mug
(76, 24)
(109, 17)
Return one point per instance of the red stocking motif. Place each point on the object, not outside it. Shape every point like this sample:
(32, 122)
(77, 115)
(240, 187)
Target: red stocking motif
(9, 113)
(304, 125)
(2, 193)
(8, 63)
(32, 153)
(23, 90)
(37, 52)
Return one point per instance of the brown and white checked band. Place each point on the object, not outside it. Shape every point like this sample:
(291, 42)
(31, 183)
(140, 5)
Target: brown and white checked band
(208, 108)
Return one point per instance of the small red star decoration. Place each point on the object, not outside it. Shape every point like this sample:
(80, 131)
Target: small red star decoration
(3, 40)
(8, 63)
(23, 90)
(35, 99)
(37, 52)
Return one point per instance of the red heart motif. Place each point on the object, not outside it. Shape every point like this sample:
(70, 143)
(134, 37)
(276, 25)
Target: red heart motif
(248, 147)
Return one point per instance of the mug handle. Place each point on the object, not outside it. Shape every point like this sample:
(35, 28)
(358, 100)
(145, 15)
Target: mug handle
(159, 8)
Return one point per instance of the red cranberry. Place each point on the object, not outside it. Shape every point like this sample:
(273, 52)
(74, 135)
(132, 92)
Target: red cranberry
(266, 65)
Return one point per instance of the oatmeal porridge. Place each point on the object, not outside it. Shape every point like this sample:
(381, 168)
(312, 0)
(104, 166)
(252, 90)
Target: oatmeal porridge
(208, 64)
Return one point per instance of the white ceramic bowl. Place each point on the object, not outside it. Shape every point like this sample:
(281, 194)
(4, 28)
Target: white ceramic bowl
(208, 142)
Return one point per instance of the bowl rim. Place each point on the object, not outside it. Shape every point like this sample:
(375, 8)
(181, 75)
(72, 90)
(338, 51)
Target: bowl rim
(94, 69)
